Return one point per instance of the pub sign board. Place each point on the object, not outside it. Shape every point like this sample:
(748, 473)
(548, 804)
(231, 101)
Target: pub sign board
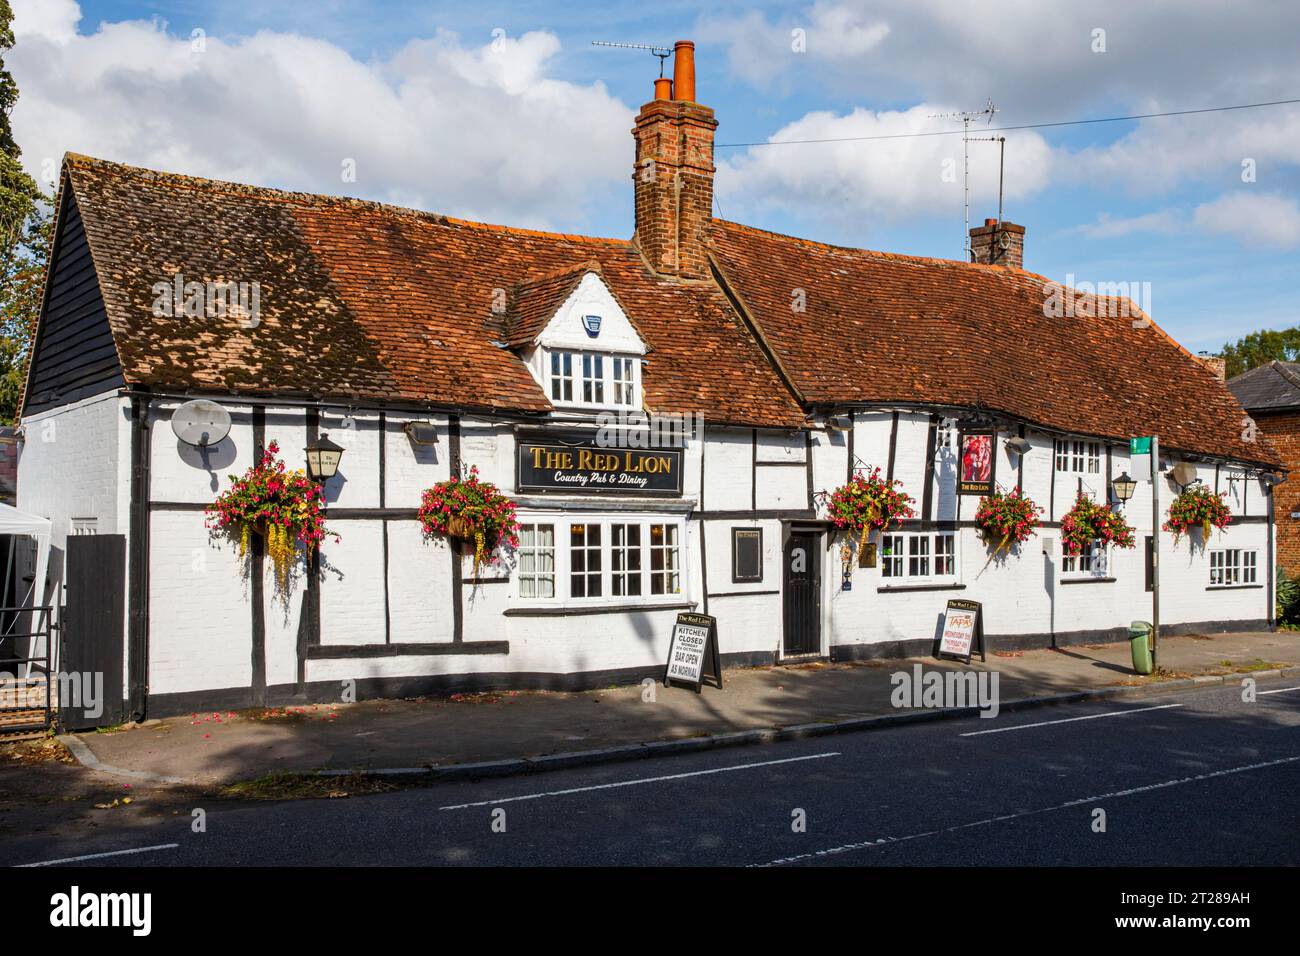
(580, 465)
(693, 657)
(963, 626)
(975, 462)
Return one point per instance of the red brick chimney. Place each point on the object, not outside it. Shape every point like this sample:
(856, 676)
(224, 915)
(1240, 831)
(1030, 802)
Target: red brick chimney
(674, 172)
(998, 244)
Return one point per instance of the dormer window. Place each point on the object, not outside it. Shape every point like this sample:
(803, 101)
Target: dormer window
(582, 347)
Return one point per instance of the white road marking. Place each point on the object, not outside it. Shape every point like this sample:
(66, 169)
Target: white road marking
(633, 783)
(1030, 813)
(1066, 720)
(100, 856)
(1280, 690)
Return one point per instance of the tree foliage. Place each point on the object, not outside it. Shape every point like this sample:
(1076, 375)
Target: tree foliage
(1260, 348)
(25, 224)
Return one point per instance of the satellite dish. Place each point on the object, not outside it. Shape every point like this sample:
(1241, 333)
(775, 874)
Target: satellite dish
(201, 423)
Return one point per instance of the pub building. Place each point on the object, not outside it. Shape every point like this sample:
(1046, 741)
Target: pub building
(667, 413)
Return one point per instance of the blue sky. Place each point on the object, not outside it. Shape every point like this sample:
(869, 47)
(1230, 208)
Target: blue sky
(534, 129)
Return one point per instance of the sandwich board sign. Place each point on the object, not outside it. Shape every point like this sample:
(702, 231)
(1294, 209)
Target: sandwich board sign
(693, 652)
(963, 626)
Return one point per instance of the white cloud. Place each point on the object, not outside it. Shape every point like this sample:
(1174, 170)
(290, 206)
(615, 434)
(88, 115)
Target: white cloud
(1253, 219)
(880, 181)
(439, 125)
(52, 20)
(1037, 62)
(1163, 221)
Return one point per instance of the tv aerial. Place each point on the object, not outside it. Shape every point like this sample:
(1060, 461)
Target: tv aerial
(967, 117)
(201, 423)
(663, 52)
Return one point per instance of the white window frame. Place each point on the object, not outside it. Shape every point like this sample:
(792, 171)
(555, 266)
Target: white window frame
(1077, 456)
(623, 378)
(533, 553)
(1234, 567)
(916, 560)
(558, 376)
(610, 567)
(1092, 562)
(584, 378)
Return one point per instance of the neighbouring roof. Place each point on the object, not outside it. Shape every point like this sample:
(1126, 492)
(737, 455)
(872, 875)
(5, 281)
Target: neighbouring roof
(1267, 388)
(854, 326)
(364, 300)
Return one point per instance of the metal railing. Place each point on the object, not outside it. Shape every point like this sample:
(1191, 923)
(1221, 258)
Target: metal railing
(15, 690)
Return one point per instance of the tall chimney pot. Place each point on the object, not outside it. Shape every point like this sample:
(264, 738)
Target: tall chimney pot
(684, 70)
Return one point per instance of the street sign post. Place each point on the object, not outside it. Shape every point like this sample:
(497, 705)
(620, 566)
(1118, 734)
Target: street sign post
(1150, 446)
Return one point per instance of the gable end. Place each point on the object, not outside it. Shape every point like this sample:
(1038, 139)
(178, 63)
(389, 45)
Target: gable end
(74, 356)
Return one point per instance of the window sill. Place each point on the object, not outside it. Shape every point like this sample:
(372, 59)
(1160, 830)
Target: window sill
(945, 586)
(320, 652)
(577, 610)
(1088, 580)
(1232, 587)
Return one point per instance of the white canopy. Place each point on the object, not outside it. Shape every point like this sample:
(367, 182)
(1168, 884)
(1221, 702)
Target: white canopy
(13, 521)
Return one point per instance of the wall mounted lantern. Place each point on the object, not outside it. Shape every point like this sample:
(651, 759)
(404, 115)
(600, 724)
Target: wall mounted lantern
(1124, 487)
(323, 459)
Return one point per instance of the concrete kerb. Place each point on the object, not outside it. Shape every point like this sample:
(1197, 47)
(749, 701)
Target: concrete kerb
(88, 760)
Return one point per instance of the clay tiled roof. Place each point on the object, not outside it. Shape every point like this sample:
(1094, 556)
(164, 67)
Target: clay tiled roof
(536, 300)
(1268, 388)
(368, 301)
(879, 328)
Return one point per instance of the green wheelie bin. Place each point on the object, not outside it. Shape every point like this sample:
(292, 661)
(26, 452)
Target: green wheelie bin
(1139, 642)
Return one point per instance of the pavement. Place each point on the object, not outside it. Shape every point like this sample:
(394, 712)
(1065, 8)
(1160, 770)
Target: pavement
(497, 729)
(1185, 777)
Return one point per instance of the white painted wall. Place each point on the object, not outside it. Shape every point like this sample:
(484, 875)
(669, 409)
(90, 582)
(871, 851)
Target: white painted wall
(69, 464)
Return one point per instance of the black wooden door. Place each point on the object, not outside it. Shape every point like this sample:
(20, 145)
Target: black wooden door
(93, 636)
(802, 582)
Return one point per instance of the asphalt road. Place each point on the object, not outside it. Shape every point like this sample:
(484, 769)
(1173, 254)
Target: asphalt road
(1194, 778)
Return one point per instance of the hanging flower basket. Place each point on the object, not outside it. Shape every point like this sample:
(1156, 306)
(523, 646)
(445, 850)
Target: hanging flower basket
(1088, 521)
(1006, 519)
(468, 509)
(1195, 506)
(284, 507)
(867, 503)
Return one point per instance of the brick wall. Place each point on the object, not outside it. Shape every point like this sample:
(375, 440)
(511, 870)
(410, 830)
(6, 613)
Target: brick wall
(1283, 431)
(673, 180)
(998, 244)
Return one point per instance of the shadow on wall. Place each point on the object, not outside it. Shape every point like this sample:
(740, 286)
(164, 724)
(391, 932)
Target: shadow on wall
(210, 458)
